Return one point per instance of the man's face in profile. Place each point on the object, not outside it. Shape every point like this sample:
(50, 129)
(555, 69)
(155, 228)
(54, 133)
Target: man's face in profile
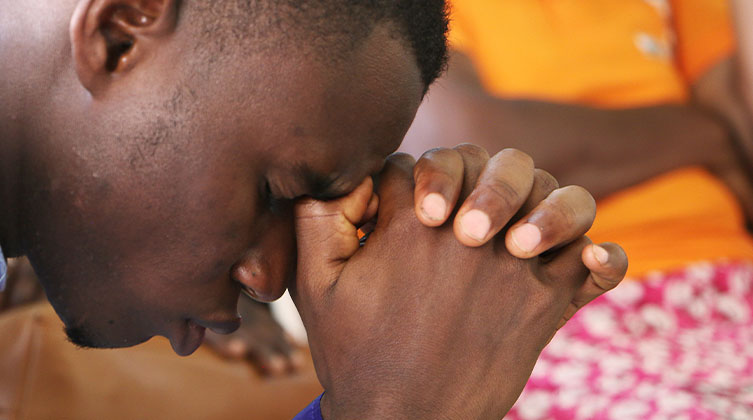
(147, 224)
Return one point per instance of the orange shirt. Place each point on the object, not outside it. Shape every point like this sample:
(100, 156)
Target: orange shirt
(618, 54)
(603, 53)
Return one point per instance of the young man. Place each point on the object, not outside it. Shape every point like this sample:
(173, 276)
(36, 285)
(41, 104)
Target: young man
(152, 152)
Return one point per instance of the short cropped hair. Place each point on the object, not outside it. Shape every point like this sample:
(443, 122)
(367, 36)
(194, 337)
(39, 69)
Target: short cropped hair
(334, 27)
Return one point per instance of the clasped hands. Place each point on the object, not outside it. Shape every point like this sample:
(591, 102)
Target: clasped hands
(473, 264)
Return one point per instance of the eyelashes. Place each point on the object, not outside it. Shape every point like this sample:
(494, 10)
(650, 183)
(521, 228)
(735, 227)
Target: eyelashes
(273, 203)
(267, 191)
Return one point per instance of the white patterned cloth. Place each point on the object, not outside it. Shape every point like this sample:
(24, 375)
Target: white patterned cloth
(675, 346)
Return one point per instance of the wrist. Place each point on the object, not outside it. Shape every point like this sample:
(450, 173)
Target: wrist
(426, 405)
(368, 406)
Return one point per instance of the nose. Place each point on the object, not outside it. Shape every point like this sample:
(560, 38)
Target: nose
(269, 265)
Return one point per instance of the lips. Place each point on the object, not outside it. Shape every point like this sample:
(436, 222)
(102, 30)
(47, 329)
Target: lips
(220, 327)
(191, 335)
(190, 340)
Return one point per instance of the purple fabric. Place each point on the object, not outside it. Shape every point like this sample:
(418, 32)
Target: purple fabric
(312, 412)
(3, 271)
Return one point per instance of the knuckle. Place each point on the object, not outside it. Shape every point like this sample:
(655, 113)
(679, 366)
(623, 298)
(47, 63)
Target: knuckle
(560, 214)
(444, 162)
(472, 151)
(399, 162)
(572, 204)
(401, 159)
(580, 194)
(437, 152)
(504, 193)
(546, 180)
(608, 283)
(517, 155)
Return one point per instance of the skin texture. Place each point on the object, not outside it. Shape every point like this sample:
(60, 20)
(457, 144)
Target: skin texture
(709, 131)
(147, 189)
(90, 202)
(454, 303)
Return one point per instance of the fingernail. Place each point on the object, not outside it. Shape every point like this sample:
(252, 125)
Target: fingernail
(434, 207)
(476, 224)
(527, 237)
(601, 254)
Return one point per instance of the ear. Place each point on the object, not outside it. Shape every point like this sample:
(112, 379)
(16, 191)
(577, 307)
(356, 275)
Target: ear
(111, 37)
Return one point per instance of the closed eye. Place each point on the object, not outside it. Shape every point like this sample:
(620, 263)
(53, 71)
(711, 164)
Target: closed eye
(319, 186)
(273, 203)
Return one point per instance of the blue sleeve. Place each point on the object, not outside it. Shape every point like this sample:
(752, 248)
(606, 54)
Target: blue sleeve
(312, 412)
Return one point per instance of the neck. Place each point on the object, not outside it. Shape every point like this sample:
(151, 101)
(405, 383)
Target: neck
(31, 43)
(19, 80)
(10, 170)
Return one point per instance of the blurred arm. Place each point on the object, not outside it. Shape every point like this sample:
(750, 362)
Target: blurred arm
(603, 150)
(719, 93)
(743, 16)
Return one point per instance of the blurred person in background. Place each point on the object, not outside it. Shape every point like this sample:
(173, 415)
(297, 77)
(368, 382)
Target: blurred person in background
(743, 14)
(22, 286)
(639, 102)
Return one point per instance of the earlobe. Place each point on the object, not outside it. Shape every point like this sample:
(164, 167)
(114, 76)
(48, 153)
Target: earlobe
(88, 46)
(110, 37)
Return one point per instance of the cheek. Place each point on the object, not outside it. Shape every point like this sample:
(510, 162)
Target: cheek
(136, 238)
(105, 308)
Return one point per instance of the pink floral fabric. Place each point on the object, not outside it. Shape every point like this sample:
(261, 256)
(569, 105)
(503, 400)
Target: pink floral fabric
(676, 346)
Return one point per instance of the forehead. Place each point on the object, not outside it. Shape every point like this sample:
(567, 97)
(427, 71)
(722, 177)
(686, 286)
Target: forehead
(363, 97)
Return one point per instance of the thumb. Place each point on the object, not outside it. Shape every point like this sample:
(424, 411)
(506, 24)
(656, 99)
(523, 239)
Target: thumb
(327, 236)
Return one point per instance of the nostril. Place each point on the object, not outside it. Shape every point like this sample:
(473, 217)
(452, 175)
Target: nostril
(249, 292)
(250, 277)
(265, 270)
